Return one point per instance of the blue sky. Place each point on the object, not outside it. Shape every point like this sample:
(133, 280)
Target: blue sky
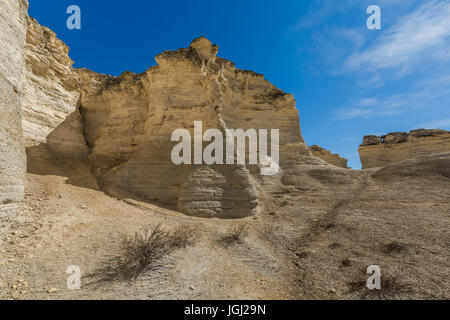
(348, 81)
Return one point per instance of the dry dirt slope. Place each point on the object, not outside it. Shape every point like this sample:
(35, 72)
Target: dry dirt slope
(322, 228)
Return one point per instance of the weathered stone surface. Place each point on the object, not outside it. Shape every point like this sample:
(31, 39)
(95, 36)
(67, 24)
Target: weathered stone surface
(370, 140)
(51, 95)
(128, 122)
(394, 147)
(395, 137)
(13, 26)
(123, 125)
(329, 157)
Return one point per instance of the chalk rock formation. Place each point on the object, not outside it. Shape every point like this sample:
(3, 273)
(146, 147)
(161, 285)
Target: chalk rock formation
(326, 155)
(13, 27)
(122, 126)
(50, 114)
(129, 120)
(397, 146)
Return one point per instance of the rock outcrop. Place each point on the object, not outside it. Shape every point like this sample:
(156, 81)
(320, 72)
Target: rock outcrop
(397, 146)
(122, 126)
(129, 120)
(50, 114)
(13, 28)
(329, 157)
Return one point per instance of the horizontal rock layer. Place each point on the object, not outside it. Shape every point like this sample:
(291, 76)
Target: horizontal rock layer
(122, 126)
(329, 157)
(50, 104)
(378, 151)
(129, 120)
(13, 27)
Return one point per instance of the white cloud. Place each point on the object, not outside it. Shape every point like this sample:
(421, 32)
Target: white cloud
(318, 12)
(419, 97)
(374, 107)
(422, 34)
(437, 124)
(372, 82)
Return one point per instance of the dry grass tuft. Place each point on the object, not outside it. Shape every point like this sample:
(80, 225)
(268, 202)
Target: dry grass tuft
(346, 262)
(143, 252)
(183, 236)
(391, 286)
(395, 247)
(236, 233)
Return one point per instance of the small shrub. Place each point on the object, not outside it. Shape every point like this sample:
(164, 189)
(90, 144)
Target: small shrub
(236, 233)
(144, 251)
(346, 262)
(302, 255)
(390, 286)
(183, 236)
(335, 245)
(395, 247)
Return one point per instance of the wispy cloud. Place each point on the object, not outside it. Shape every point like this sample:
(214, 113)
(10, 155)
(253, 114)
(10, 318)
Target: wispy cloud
(437, 124)
(331, 45)
(405, 67)
(318, 12)
(374, 107)
(422, 34)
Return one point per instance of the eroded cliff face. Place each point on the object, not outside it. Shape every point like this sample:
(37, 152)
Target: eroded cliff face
(397, 146)
(329, 157)
(120, 128)
(129, 120)
(51, 94)
(13, 27)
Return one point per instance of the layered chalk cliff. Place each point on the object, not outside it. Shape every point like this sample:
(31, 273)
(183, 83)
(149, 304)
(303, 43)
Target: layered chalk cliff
(128, 122)
(13, 28)
(50, 114)
(329, 157)
(378, 151)
(120, 128)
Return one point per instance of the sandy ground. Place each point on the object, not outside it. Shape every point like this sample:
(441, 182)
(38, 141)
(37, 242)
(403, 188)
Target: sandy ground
(319, 231)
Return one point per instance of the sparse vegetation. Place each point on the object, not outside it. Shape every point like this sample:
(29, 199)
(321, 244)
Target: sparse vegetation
(346, 262)
(183, 236)
(390, 286)
(236, 233)
(143, 252)
(302, 255)
(335, 245)
(395, 247)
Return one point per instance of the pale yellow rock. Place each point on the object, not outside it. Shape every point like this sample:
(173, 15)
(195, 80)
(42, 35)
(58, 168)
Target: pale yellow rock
(397, 146)
(123, 125)
(128, 121)
(329, 157)
(50, 114)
